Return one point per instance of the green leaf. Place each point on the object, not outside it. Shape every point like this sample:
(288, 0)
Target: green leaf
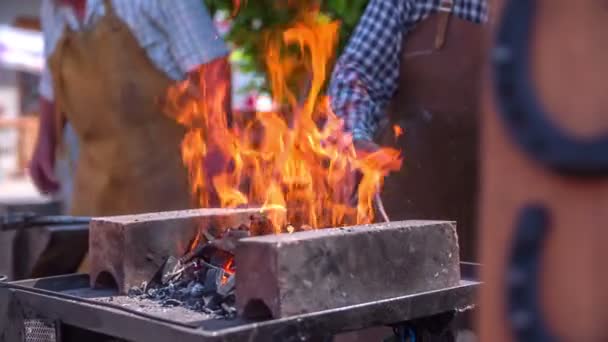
(274, 16)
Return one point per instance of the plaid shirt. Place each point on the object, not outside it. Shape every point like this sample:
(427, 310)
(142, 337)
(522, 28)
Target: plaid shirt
(178, 36)
(366, 75)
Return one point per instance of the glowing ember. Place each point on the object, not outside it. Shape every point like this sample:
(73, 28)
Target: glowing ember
(228, 271)
(195, 241)
(297, 162)
(290, 229)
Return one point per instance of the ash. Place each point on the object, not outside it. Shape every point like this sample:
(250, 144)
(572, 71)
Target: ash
(204, 283)
(203, 280)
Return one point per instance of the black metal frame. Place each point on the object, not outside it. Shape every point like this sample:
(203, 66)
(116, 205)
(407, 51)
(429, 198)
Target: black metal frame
(29, 220)
(43, 299)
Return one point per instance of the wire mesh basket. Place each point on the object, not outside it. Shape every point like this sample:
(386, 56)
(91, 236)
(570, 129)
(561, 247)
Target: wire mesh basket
(36, 330)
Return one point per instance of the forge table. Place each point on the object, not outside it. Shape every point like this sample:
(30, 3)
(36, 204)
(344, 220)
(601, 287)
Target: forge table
(64, 308)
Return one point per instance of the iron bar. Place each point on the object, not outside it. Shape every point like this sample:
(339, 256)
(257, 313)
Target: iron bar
(17, 221)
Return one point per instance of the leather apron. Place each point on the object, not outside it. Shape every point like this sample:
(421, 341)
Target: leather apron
(437, 107)
(109, 90)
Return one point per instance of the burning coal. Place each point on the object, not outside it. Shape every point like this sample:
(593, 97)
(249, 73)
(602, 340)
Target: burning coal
(297, 161)
(203, 279)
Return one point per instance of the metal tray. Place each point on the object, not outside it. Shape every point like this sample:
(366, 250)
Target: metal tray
(68, 300)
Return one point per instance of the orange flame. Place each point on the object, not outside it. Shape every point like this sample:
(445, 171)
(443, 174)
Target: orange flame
(195, 241)
(398, 131)
(236, 7)
(298, 163)
(228, 271)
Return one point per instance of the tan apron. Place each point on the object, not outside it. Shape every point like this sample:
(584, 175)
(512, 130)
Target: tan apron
(110, 92)
(437, 107)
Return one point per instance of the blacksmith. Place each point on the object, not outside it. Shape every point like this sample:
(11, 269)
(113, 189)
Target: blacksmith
(110, 64)
(414, 65)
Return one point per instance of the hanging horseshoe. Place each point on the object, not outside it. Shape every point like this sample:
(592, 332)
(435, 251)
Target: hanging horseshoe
(520, 110)
(523, 284)
(529, 126)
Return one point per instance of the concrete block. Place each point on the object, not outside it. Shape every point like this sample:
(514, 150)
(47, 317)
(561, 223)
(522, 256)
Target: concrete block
(290, 274)
(128, 250)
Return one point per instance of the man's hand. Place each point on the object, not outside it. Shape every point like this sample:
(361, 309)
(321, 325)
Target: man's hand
(42, 165)
(379, 158)
(212, 83)
(373, 157)
(365, 147)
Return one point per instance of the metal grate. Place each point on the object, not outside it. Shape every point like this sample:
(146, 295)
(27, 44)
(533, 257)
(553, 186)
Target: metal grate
(37, 330)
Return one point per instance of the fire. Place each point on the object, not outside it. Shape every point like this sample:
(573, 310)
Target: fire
(398, 131)
(237, 5)
(228, 271)
(297, 163)
(195, 241)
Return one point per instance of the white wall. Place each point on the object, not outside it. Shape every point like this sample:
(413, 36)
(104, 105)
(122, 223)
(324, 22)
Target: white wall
(9, 97)
(9, 9)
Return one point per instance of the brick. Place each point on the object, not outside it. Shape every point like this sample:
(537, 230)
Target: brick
(132, 248)
(305, 272)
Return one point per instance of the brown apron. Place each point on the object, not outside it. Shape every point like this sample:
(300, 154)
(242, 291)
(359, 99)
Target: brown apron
(110, 92)
(437, 108)
(568, 71)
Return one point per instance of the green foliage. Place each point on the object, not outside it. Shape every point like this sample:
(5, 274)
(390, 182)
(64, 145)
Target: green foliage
(258, 16)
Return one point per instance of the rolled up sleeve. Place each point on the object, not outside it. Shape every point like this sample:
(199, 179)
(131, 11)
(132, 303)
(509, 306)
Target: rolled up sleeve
(193, 38)
(365, 76)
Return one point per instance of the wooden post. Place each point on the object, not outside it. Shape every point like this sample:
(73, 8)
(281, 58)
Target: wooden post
(27, 130)
(568, 71)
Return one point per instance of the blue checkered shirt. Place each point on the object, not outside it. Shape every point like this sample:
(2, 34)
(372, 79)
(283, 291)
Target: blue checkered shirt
(178, 36)
(366, 75)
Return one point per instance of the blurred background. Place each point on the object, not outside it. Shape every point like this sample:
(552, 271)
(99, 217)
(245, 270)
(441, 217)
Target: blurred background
(21, 60)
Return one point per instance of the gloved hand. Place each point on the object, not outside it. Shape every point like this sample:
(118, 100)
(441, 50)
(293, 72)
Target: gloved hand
(374, 159)
(365, 147)
(385, 159)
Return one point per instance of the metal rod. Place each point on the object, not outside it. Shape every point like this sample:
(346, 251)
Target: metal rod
(380, 205)
(16, 221)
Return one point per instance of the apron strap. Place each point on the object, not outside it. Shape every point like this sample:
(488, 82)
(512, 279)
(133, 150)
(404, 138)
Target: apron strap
(445, 12)
(109, 6)
(58, 90)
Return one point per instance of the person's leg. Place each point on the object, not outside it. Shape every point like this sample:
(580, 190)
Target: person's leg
(66, 171)
(66, 164)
